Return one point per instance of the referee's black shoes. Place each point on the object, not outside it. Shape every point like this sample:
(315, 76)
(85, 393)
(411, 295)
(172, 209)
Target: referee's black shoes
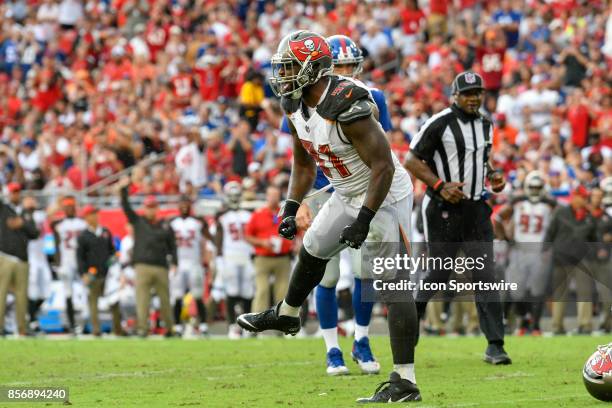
(496, 355)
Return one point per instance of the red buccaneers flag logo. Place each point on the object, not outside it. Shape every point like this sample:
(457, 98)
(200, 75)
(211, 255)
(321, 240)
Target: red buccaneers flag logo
(313, 47)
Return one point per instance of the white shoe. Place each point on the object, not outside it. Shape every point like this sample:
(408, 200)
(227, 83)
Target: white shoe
(362, 355)
(234, 332)
(335, 363)
(189, 332)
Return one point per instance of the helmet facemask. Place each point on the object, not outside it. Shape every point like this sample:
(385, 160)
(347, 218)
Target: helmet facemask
(289, 76)
(534, 186)
(301, 60)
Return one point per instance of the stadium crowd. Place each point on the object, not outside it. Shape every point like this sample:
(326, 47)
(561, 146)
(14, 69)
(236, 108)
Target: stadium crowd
(90, 88)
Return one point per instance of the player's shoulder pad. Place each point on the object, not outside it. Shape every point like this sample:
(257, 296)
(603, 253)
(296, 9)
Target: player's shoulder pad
(549, 200)
(519, 198)
(290, 105)
(343, 94)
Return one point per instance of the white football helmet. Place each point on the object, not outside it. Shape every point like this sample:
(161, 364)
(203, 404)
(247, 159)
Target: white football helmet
(597, 373)
(233, 194)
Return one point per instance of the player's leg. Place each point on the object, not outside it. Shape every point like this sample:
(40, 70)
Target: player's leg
(538, 284)
(196, 288)
(67, 274)
(391, 225)
(327, 310)
(178, 287)
(231, 282)
(362, 308)
(321, 242)
(35, 292)
(520, 272)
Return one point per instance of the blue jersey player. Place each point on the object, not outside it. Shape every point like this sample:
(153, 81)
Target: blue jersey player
(348, 60)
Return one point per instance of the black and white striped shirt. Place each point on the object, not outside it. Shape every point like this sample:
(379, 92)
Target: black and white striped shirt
(455, 145)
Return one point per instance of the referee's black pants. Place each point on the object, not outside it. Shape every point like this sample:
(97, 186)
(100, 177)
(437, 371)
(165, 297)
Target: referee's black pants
(465, 226)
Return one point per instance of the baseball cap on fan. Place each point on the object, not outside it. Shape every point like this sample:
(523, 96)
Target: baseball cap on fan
(466, 81)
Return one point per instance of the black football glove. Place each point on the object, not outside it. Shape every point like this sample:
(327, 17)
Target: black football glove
(288, 227)
(355, 234)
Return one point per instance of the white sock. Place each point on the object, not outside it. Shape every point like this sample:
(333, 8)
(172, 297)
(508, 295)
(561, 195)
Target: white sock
(406, 371)
(361, 331)
(287, 310)
(331, 338)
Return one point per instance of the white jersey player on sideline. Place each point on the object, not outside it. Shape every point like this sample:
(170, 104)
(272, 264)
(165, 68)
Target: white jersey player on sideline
(530, 216)
(39, 277)
(234, 263)
(190, 233)
(66, 232)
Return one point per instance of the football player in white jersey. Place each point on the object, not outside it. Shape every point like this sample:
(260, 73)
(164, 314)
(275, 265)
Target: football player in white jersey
(529, 216)
(234, 263)
(190, 233)
(66, 232)
(333, 123)
(348, 61)
(39, 277)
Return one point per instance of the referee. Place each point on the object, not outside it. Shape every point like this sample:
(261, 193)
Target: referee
(450, 154)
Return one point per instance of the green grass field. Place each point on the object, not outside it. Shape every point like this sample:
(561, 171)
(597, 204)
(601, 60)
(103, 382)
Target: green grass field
(275, 372)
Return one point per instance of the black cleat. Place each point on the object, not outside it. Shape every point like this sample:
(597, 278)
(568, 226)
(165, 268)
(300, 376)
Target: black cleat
(496, 355)
(397, 390)
(269, 320)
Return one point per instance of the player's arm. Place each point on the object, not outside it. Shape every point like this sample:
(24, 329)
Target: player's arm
(205, 231)
(303, 171)
(303, 174)
(368, 138)
(171, 245)
(363, 131)
(131, 215)
(219, 238)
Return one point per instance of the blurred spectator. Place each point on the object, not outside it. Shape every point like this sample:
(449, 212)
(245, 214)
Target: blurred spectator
(16, 229)
(503, 132)
(251, 96)
(509, 20)
(241, 148)
(570, 229)
(190, 161)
